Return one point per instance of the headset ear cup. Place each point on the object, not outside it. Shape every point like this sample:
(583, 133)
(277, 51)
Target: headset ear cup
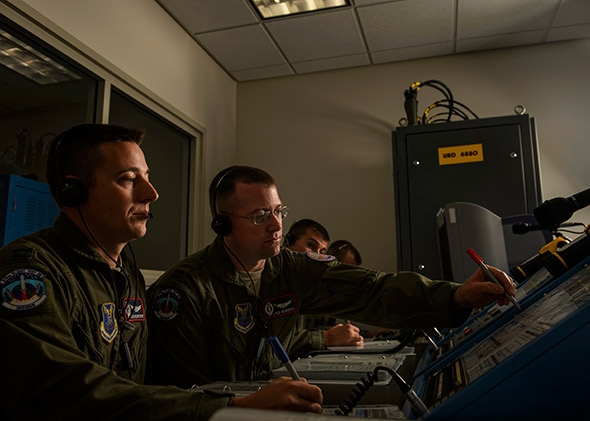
(289, 238)
(72, 193)
(221, 225)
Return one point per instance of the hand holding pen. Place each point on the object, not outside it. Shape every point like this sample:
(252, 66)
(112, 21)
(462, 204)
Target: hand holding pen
(480, 290)
(280, 352)
(491, 277)
(283, 393)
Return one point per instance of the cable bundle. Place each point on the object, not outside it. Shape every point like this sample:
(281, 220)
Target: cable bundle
(451, 106)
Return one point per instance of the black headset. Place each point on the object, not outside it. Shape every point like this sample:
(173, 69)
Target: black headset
(220, 224)
(289, 237)
(70, 192)
(343, 246)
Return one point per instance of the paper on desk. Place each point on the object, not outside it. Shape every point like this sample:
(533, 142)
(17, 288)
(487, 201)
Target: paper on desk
(369, 346)
(380, 412)
(389, 412)
(341, 367)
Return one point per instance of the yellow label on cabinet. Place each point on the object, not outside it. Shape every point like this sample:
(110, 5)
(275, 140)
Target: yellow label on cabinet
(460, 154)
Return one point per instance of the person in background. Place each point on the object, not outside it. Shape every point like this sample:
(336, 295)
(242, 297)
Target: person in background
(317, 332)
(307, 235)
(212, 312)
(73, 315)
(345, 252)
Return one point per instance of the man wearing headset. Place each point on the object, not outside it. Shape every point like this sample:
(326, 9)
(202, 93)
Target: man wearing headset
(72, 314)
(345, 252)
(317, 332)
(307, 235)
(214, 310)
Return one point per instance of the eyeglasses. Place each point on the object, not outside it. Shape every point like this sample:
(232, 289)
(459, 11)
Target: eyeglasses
(262, 216)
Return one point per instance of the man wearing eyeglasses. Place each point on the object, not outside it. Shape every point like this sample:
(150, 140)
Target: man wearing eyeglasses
(212, 312)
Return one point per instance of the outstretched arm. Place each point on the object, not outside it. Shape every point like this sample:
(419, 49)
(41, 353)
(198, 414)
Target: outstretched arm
(479, 291)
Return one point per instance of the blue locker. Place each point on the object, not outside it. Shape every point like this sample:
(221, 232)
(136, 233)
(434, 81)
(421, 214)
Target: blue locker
(26, 206)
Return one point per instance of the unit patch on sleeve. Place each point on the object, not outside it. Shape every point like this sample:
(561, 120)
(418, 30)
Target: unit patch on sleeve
(167, 304)
(320, 257)
(23, 289)
(279, 306)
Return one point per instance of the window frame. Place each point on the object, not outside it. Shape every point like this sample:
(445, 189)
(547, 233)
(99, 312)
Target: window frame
(109, 76)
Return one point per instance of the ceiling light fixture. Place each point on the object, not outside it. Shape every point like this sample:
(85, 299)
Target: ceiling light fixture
(275, 8)
(24, 59)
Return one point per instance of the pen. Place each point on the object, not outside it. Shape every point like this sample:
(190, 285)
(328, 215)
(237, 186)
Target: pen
(479, 261)
(280, 352)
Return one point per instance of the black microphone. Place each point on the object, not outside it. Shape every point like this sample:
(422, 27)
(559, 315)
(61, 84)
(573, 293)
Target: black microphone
(150, 215)
(553, 212)
(524, 227)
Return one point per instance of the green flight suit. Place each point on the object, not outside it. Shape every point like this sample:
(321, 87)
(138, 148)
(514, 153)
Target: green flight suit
(63, 334)
(206, 326)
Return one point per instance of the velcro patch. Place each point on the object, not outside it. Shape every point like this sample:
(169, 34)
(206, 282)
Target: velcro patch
(167, 304)
(108, 326)
(320, 257)
(23, 289)
(244, 320)
(134, 310)
(279, 306)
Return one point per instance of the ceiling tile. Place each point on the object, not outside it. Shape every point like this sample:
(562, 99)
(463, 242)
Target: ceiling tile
(406, 23)
(262, 73)
(365, 2)
(572, 12)
(500, 41)
(411, 53)
(569, 32)
(495, 17)
(370, 31)
(199, 16)
(332, 63)
(241, 48)
(319, 35)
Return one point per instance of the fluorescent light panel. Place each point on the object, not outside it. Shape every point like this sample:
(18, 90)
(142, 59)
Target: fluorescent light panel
(275, 8)
(22, 58)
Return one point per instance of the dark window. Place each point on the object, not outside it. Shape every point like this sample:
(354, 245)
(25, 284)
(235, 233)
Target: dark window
(167, 151)
(41, 95)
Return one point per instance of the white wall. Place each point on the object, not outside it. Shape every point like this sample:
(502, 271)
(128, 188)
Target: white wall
(147, 45)
(326, 137)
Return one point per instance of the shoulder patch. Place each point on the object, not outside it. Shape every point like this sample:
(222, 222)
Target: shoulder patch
(23, 289)
(320, 257)
(167, 304)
